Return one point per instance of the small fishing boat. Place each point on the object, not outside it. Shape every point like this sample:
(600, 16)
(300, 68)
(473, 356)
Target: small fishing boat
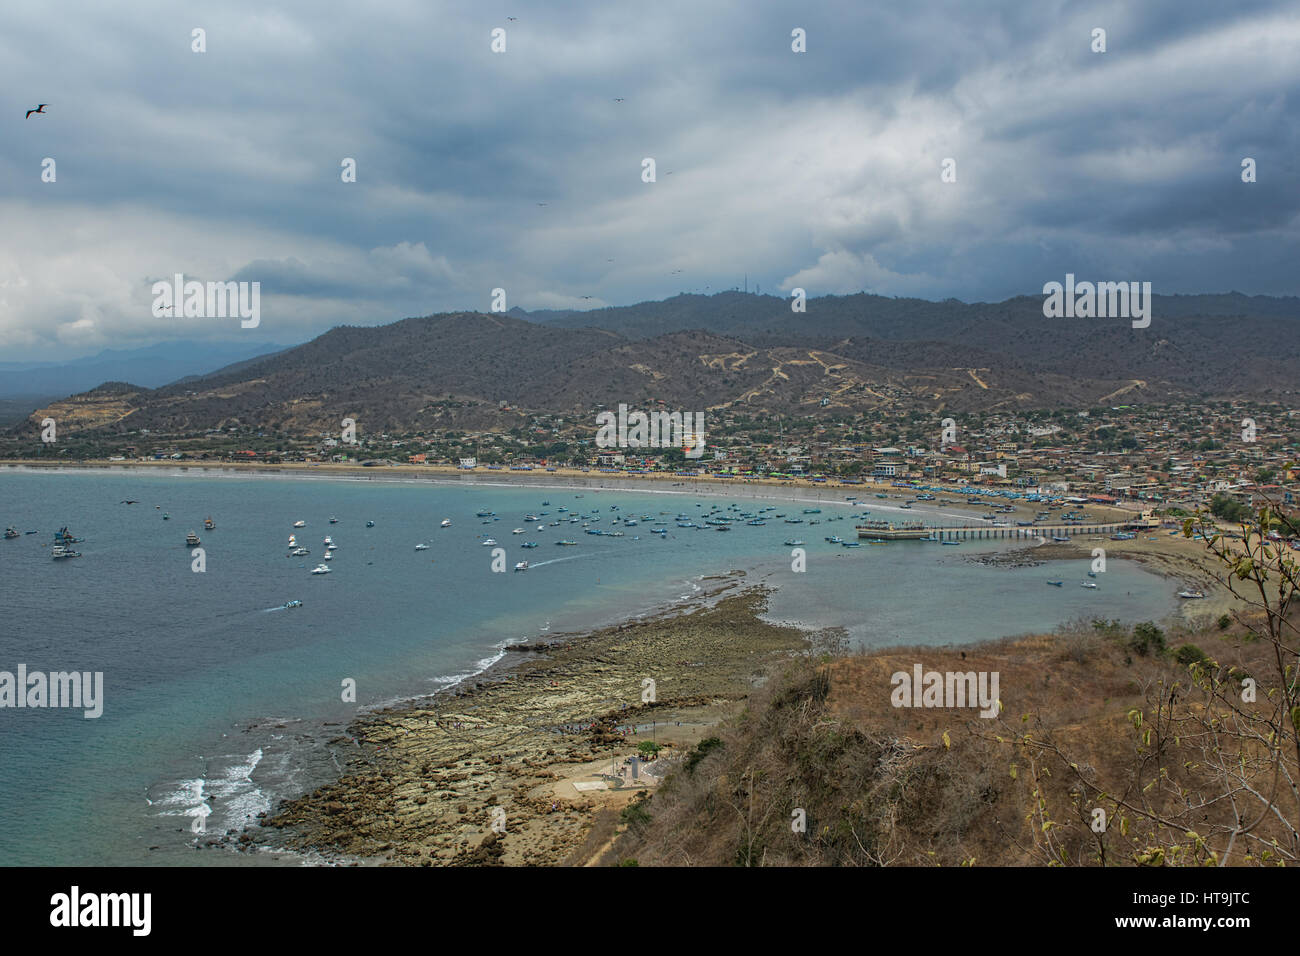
(1092, 574)
(370, 524)
(167, 517)
(333, 520)
(321, 569)
(567, 543)
(485, 514)
(489, 541)
(1091, 585)
(300, 524)
(299, 552)
(421, 547)
(209, 524)
(60, 551)
(517, 531)
(793, 543)
(191, 540)
(1056, 584)
(951, 544)
(1191, 595)
(289, 604)
(529, 544)
(521, 566)
(10, 533)
(446, 523)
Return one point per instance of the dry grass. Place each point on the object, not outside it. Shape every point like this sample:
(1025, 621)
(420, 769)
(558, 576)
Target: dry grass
(880, 785)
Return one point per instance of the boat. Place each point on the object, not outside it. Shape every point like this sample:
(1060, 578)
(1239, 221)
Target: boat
(61, 551)
(530, 517)
(1059, 537)
(489, 541)
(529, 544)
(1091, 585)
(289, 604)
(167, 517)
(10, 533)
(517, 531)
(1191, 594)
(333, 520)
(1092, 574)
(521, 566)
(191, 540)
(566, 542)
(1056, 584)
(300, 524)
(812, 511)
(951, 544)
(370, 524)
(208, 524)
(793, 543)
(299, 552)
(328, 542)
(484, 514)
(446, 523)
(835, 539)
(321, 569)
(421, 547)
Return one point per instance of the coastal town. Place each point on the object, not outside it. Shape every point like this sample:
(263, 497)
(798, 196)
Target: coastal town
(1172, 458)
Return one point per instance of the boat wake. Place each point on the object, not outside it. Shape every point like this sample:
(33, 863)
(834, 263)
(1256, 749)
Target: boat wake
(572, 557)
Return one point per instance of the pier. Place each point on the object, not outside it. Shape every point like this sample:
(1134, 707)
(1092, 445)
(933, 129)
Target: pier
(909, 531)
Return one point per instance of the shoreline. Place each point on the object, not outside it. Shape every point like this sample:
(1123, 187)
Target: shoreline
(540, 734)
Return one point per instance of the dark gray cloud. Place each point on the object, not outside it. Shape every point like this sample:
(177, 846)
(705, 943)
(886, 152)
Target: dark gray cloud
(818, 170)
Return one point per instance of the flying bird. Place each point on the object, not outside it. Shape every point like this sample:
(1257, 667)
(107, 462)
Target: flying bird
(542, 204)
(586, 297)
(618, 99)
(512, 18)
(39, 109)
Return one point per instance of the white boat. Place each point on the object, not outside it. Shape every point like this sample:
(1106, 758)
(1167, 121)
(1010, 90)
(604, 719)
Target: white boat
(62, 551)
(300, 524)
(446, 523)
(321, 569)
(299, 552)
(421, 547)
(1092, 585)
(489, 541)
(328, 542)
(289, 604)
(521, 566)
(517, 531)
(1191, 594)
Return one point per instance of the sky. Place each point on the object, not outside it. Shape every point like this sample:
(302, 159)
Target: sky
(820, 170)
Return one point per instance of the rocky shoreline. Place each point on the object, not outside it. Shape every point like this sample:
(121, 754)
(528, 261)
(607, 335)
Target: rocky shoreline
(529, 765)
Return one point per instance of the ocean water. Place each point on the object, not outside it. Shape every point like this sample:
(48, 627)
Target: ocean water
(218, 702)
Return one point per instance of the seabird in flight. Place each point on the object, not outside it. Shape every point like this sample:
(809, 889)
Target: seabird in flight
(39, 109)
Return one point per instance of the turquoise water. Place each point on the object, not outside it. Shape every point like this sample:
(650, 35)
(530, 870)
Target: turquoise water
(220, 702)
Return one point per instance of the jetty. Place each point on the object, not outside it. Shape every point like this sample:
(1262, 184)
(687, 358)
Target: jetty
(915, 531)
